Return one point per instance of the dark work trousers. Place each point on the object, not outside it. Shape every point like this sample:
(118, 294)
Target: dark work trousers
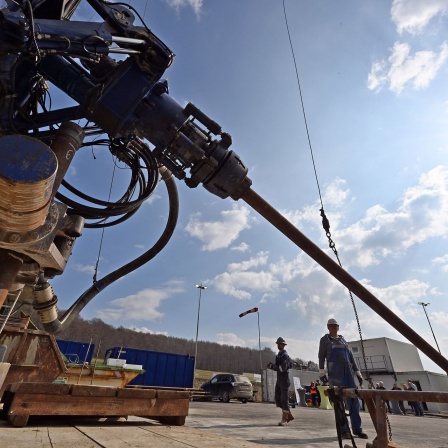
(402, 408)
(282, 391)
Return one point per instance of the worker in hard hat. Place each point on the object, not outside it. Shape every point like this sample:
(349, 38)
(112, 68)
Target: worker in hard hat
(281, 366)
(341, 368)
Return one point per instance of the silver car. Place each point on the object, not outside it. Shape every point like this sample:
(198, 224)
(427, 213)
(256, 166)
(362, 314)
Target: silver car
(226, 386)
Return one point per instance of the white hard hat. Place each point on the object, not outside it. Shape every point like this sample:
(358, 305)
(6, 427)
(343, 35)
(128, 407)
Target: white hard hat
(332, 321)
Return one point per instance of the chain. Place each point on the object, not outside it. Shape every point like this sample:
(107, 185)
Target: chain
(326, 226)
(332, 245)
(390, 429)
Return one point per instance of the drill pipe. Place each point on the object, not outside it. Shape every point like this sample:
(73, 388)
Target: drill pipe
(300, 240)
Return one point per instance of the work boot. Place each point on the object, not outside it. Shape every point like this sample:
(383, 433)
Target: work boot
(345, 436)
(284, 421)
(290, 416)
(361, 435)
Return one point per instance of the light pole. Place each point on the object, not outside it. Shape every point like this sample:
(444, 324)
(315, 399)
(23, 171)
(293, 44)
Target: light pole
(424, 305)
(201, 287)
(255, 310)
(259, 342)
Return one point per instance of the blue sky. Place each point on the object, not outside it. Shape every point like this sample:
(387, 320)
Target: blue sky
(374, 84)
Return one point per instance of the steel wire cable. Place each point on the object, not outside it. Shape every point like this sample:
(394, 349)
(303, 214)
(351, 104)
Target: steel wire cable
(325, 221)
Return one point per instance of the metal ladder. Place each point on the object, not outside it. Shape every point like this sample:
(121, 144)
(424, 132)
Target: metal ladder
(10, 309)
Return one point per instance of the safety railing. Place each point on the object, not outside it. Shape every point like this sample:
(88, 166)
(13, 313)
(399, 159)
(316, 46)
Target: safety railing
(376, 363)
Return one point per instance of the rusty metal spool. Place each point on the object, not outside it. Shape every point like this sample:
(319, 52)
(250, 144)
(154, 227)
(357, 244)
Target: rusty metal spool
(27, 174)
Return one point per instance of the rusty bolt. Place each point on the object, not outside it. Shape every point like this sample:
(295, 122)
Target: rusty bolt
(14, 238)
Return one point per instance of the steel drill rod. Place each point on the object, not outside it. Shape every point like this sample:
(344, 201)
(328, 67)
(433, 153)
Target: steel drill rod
(318, 255)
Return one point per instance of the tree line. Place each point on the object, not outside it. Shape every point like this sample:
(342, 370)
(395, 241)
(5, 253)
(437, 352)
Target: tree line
(211, 355)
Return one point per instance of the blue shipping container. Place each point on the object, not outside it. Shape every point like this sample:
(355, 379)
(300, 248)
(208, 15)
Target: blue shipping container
(161, 369)
(76, 352)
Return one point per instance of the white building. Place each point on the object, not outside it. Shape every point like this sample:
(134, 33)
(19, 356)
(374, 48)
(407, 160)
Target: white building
(393, 361)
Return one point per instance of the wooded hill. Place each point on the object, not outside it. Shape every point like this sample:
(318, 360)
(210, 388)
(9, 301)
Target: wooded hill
(211, 355)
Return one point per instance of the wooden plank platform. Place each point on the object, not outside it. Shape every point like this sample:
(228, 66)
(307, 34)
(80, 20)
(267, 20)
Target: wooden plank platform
(22, 400)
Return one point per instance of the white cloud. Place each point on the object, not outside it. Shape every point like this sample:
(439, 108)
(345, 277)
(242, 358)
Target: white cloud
(86, 268)
(333, 301)
(230, 339)
(440, 318)
(195, 5)
(142, 306)
(153, 198)
(422, 213)
(239, 280)
(443, 261)
(260, 259)
(414, 16)
(237, 284)
(334, 196)
(146, 330)
(243, 247)
(220, 234)
(402, 298)
(402, 68)
(319, 296)
(377, 76)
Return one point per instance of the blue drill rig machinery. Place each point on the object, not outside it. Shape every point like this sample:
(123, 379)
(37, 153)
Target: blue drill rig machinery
(39, 44)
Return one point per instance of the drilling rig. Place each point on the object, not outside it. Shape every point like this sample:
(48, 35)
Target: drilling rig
(127, 101)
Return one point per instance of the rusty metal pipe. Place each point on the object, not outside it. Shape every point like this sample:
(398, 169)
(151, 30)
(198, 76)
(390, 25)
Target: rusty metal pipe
(298, 238)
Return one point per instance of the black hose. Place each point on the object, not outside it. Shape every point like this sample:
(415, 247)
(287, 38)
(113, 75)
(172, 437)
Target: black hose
(135, 155)
(64, 321)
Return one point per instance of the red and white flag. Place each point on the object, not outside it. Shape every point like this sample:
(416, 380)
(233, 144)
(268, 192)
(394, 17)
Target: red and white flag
(253, 310)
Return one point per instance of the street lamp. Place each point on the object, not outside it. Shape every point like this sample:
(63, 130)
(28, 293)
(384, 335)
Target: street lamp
(255, 310)
(424, 305)
(201, 288)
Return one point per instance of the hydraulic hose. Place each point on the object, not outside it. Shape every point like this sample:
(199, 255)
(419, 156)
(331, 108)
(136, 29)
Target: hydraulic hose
(58, 325)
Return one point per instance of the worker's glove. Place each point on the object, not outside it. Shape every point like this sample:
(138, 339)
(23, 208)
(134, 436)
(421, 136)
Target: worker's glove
(323, 377)
(359, 375)
(270, 365)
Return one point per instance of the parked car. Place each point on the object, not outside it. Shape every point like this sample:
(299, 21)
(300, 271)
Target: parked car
(226, 386)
